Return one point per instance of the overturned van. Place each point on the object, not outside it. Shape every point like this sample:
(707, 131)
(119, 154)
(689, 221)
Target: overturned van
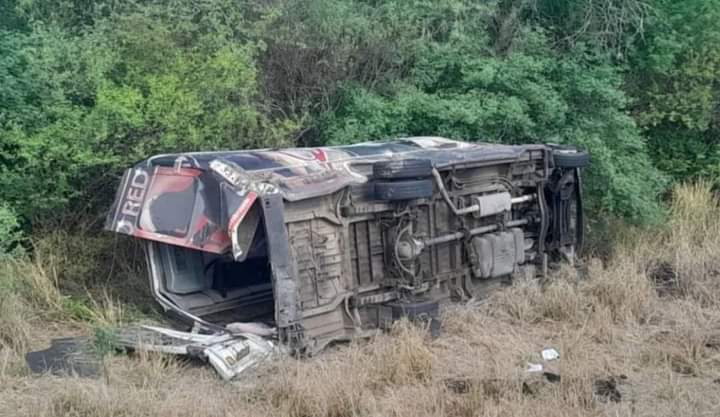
(326, 244)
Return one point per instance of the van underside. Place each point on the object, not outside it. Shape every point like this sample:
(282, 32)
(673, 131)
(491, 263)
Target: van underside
(414, 235)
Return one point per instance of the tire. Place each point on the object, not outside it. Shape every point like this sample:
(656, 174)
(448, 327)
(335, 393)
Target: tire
(570, 158)
(402, 169)
(403, 190)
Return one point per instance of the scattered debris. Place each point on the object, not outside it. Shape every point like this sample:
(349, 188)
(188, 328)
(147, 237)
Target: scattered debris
(606, 389)
(550, 354)
(538, 382)
(665, 278)
(491, 387)
(229, 354)
(534, 367)
(531, 385)
(256, 328)
(458, 386)
(551, 377)
(713, 341)
(66, 356)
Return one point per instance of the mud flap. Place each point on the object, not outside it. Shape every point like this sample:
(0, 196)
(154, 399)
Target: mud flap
(66, 356)
(284, 272)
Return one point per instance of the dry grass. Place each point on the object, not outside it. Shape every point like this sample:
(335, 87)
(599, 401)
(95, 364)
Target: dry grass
(638, 334)
(692, 243)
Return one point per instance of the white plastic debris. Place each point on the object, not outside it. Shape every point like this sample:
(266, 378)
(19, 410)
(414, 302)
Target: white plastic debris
(256, 328)
(534, 367)
(550, 354)
(233, 357)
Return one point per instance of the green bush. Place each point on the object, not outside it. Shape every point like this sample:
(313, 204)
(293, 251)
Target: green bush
(11, 236)
(673, 76)
(88, 89)
(462, 89)
(151, 79)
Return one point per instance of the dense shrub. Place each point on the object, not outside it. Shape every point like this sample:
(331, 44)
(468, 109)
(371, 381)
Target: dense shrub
(90, 87)
(148, 80)
(11, 236)
(460, 86)
(673, 74)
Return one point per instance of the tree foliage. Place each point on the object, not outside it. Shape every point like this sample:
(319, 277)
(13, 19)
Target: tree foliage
(674, 78)
(88, 87)
(459, 85)
(11, 236)
(77, 108)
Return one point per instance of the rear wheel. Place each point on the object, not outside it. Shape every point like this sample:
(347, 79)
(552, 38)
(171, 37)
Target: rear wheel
(570, 158)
